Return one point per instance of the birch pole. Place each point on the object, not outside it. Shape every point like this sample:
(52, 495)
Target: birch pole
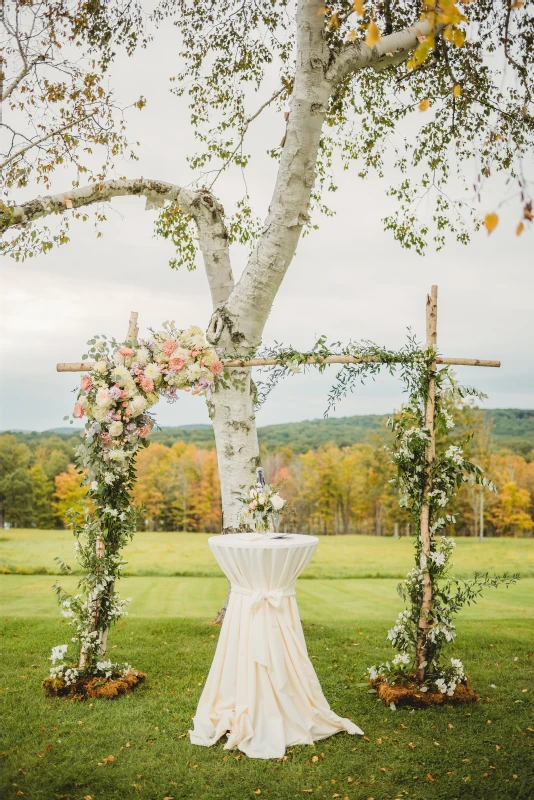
(426, 604)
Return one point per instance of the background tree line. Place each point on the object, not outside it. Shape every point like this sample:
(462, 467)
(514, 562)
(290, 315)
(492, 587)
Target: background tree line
(340, 484)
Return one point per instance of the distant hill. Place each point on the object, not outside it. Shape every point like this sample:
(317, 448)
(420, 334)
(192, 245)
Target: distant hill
(513, 429)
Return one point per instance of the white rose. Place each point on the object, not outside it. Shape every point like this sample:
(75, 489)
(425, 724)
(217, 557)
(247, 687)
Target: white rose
(277, 502)
(261, 499)
(115, 428)
(100, 366)
(138, 405)
(103, 398)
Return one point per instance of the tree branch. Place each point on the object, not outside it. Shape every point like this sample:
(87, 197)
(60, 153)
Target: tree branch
(389, 51)
(200, 204)
(36, 142)
(28, 66)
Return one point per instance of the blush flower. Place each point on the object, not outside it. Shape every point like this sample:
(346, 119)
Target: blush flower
(169, 347)
(86, 383)
(176, 364)
(78, 411)
(147, 384)
(127, 352)
(144, 431)
(217, 368)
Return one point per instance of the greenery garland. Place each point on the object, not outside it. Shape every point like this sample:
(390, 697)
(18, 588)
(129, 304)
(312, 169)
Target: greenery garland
(449, 470)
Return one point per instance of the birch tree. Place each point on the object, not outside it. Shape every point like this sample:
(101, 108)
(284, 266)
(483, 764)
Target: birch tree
(436, 95)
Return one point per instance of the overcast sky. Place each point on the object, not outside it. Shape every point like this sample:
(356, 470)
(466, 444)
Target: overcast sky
(348, 280)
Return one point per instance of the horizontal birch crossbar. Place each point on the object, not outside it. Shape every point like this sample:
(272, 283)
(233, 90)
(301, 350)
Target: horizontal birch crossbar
(86, 366)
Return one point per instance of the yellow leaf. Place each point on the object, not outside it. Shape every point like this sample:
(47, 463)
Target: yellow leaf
(322, 11)
(424, 104)
(519, 230)
(108, 759)
(357, 5)
(351, 36)
(448, 33)
(373, 34)
(517, 4)
(491, 221)
(458, 38)
(258, 791)
(457, 91)
(333, 22)
(315, 759)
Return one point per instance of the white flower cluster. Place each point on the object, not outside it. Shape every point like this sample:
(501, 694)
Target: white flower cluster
(454, 675)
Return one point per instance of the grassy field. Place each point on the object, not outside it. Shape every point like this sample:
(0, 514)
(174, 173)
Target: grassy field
(187, 554)
(319, 600)
(57, 750)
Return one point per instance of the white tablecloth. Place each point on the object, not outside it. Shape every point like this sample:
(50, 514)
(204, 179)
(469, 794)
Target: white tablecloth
(262, 688)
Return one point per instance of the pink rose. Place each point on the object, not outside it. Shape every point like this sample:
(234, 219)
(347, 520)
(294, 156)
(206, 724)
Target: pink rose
(217, 368)
(86, 383)
(176, 364)
(105, 438)
(144, 431)
(78, 411)
(169, 347)
(147, 384)
(127, 352)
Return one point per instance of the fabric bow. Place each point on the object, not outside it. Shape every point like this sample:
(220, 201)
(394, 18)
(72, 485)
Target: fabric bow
(265, 644)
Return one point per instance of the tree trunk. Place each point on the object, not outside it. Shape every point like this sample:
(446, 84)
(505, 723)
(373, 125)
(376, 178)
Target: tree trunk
(236, 438)
(238, 455)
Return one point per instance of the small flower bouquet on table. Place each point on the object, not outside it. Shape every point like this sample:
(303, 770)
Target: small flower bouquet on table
(263, 505)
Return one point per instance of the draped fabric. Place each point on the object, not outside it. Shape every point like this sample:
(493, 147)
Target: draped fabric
(262, 689)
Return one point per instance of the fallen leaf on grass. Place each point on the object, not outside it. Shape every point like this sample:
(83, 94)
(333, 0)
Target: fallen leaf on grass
(108, 759)
(429, 778)
(258, 791)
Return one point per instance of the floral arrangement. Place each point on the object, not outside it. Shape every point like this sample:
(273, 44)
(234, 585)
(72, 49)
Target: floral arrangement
(263, 505)
(115, 398)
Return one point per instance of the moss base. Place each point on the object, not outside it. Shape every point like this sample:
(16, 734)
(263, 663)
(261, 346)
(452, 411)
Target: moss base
(409, 694)
(90, 686)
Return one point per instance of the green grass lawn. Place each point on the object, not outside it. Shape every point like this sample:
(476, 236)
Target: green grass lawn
(319, 600)
(57, 749)
(187, 554)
